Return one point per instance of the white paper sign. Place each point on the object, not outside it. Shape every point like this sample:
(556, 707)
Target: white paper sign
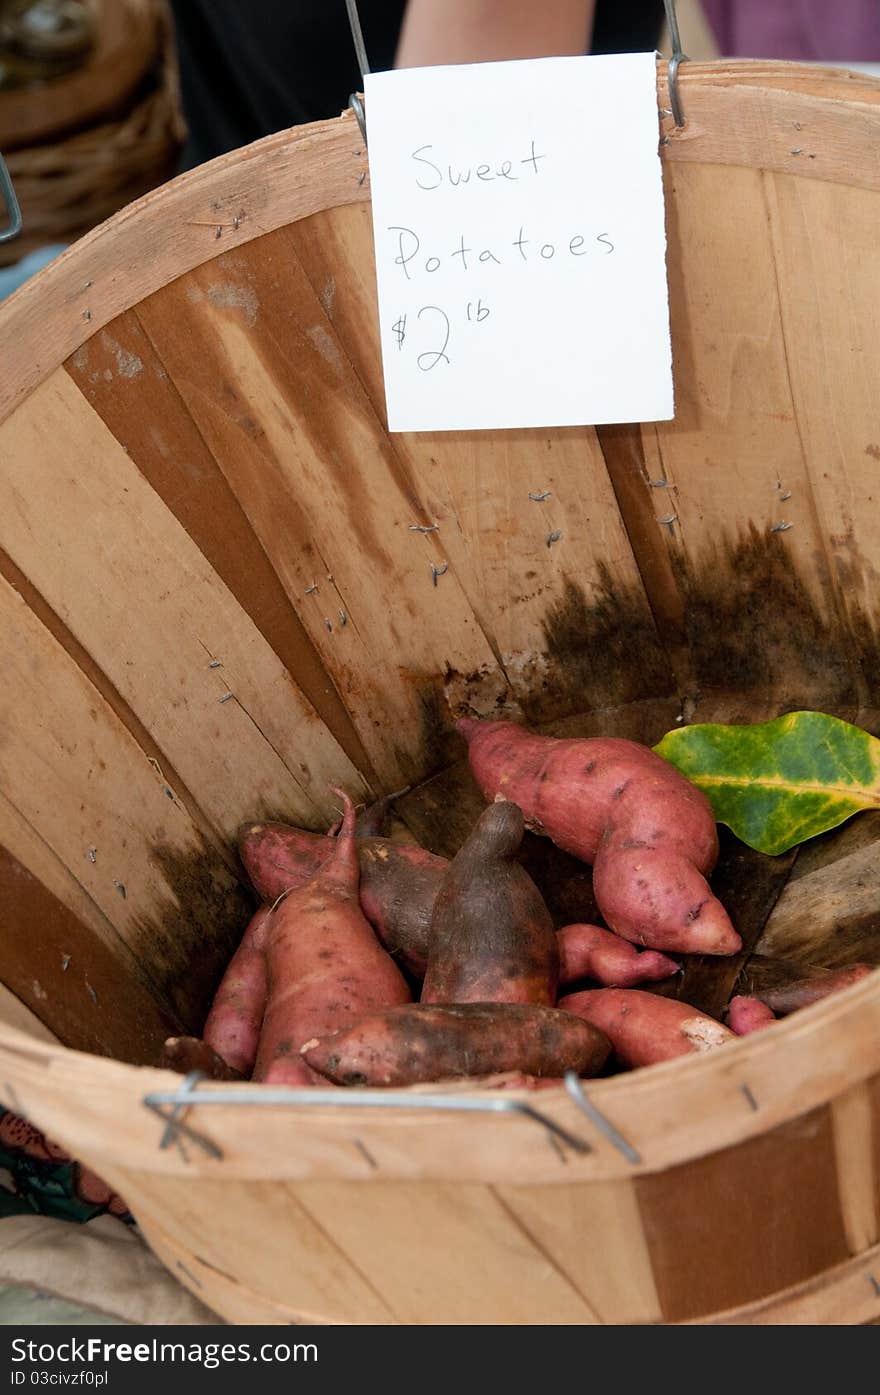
(520, 243)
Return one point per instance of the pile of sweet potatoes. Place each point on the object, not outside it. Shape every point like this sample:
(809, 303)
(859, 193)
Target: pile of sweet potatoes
(373, 962)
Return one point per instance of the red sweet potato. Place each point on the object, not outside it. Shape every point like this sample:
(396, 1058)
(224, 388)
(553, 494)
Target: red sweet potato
(747, 1015)
(644, 1028)
(649, 833)
(815, 985)
(398, 881)
(492, 939)
(588, 951)
(232, 1028)
(325, 966)
(405, 1045)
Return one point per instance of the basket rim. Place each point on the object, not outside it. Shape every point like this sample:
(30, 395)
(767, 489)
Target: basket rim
(739, 112)
(671, 1113)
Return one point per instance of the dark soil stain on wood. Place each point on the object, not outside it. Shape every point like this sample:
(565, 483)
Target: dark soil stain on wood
(752, 624)
(600, 652)
(187, 941)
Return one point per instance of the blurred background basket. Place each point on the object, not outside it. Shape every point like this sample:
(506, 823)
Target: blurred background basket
(82, 145)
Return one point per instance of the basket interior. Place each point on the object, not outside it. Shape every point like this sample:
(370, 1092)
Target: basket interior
(225, 585)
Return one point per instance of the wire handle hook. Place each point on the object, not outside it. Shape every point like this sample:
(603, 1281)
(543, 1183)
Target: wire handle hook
(13, 210)
(360, 49)
(171, 1105)
(678, 57)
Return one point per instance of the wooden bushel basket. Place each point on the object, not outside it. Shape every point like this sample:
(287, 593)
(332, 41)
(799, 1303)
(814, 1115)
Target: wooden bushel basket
(214, 603)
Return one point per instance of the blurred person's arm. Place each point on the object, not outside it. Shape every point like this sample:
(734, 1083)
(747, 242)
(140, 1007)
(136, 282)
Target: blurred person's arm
(485, 31)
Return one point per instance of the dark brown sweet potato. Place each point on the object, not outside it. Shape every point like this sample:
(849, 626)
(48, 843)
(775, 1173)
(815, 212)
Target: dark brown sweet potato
(762, 973)
(649, 833)
(186, 1054)
(811, 987)
(405, 1045)
(398, 881)
(325, 966)
(644, 1028)
(371, 821)
(492, 939)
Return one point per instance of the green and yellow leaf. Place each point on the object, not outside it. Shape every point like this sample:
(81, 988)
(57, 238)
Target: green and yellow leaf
(777, 783)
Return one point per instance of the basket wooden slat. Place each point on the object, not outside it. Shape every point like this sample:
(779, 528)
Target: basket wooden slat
(751, 396)
(148, 417)
(252, 364)
(227, 1294)
(266, 722)
(13, 1013)
(193, 438)
(59, 967)
(545, 624)
(829, 916)
(843, 1296)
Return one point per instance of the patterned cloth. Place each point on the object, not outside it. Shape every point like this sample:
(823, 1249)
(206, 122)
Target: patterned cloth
(38, 1176)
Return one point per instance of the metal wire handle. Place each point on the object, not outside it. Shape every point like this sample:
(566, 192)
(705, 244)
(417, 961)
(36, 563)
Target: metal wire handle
(360, 49)
(678, 57)
(179, 1100)
(13, 211)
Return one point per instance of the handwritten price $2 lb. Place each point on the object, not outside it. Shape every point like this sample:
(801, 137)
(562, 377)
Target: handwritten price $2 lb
(409, 256)
(430, 358)
(519, 257)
